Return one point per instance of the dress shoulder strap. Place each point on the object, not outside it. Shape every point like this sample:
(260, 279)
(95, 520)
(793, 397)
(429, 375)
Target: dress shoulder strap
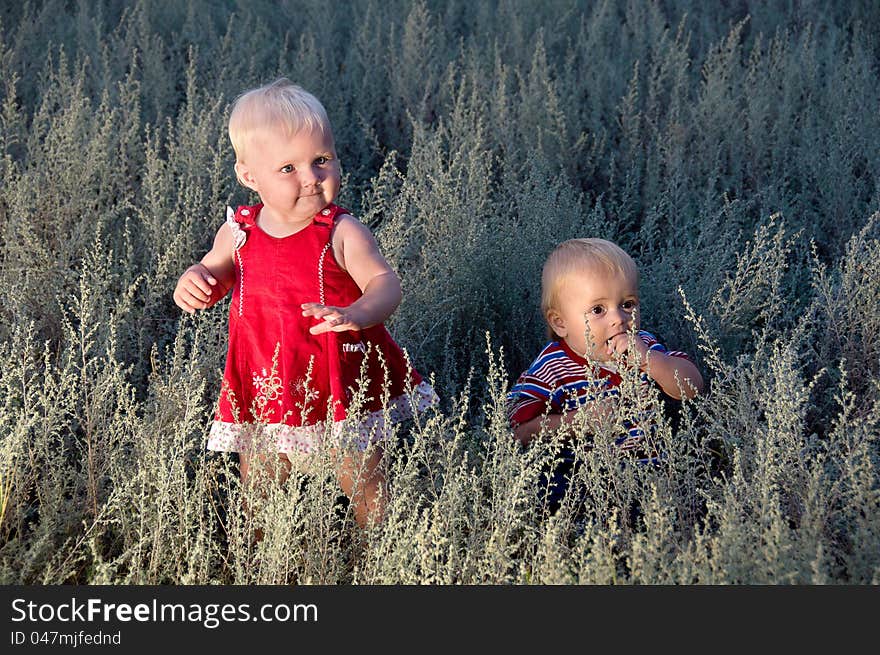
(240, 222)
(329, 214)
(327, 218)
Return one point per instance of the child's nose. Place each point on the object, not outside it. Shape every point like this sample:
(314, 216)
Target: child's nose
(309, 177)
(619, 317)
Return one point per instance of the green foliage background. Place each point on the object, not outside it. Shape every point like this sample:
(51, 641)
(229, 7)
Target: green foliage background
(733, 148)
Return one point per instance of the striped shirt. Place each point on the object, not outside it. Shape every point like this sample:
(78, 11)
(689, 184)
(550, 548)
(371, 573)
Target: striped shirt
(560, 380)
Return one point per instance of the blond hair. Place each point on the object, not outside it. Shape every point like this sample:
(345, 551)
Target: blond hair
(579, 255)
(278, 105)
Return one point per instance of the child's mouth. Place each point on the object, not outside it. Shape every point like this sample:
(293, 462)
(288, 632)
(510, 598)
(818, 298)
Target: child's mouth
(613, 336)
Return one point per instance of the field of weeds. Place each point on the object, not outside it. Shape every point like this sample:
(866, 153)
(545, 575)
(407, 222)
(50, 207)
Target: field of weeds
(733, 148)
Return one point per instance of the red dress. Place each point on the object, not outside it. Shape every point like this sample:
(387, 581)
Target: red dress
(283, 383)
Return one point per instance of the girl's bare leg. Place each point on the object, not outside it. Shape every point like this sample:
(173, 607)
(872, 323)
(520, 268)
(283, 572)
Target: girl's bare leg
(278, 471)
(362, 478)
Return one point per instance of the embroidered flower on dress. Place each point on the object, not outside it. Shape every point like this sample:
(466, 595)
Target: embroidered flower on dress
(268, 387)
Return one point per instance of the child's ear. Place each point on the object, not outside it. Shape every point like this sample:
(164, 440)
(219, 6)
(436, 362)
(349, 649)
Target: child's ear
(244, 176)
(557, 322)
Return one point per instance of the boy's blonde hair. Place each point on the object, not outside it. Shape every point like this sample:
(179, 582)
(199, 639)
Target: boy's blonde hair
(278, 105)
(577, 255)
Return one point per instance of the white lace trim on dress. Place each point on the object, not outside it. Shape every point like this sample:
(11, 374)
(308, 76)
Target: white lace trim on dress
(282, 438)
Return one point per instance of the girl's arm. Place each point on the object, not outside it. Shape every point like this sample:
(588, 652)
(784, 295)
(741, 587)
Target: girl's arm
(356, 251)
(204, 284)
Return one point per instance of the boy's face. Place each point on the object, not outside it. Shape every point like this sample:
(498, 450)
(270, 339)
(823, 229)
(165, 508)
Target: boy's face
(296, 176)
(595, 305)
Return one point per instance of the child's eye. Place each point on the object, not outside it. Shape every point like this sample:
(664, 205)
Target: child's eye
(320, 161)
(629, 305)
(598, 310)
(287, 169)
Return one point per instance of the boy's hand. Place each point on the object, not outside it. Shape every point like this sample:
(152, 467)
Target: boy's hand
(619, 344)
(194, 289)
(335, 319)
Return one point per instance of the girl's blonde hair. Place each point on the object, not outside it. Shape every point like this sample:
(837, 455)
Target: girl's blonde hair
(579, 255)
(278, 105)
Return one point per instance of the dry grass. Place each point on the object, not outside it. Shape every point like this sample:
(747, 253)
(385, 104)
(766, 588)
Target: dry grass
(734, 156)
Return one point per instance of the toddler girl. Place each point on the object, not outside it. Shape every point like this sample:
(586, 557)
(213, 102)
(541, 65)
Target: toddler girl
(310, 292)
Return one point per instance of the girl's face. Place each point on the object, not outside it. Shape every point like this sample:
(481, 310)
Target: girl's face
(597, 303)
(295, 176)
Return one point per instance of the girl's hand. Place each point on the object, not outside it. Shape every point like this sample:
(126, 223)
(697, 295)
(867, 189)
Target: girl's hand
(194, 289)
(335, 319)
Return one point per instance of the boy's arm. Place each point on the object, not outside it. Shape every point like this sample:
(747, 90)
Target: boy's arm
(662, 368)
(527, 431)
(204, 284)
(357, 253)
